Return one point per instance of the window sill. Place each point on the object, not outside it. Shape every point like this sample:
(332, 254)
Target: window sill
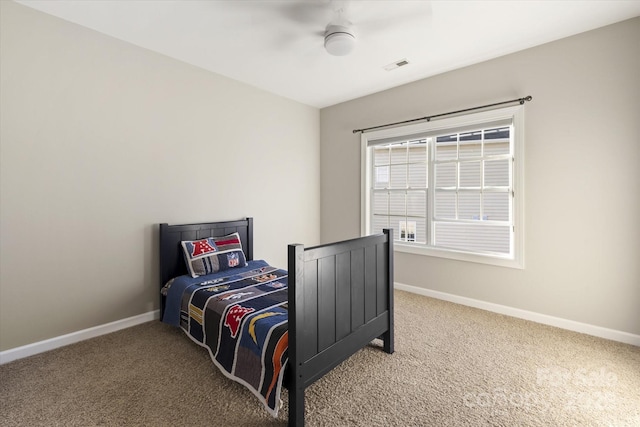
(496, 260)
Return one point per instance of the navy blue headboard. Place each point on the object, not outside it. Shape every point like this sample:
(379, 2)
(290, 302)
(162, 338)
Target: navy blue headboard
(171, 258)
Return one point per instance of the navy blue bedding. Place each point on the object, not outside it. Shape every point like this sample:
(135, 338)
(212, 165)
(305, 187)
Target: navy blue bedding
(240, 316)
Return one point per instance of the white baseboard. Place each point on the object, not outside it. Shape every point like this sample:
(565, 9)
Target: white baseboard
(74, 337)
(584, 328)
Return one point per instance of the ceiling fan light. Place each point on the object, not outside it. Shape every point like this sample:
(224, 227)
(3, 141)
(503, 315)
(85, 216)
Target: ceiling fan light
(338, 40)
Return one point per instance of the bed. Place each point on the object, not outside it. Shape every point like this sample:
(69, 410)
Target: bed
(336, 298)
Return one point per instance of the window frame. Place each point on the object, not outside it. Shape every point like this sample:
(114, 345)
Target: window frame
(514, 115)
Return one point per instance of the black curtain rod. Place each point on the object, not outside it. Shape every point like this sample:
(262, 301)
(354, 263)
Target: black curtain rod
(428, 118)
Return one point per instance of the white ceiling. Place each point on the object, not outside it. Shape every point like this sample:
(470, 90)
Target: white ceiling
(277, 45)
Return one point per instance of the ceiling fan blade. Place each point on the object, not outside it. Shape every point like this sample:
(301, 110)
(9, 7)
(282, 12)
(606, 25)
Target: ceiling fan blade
(372, 22)
(309, 12)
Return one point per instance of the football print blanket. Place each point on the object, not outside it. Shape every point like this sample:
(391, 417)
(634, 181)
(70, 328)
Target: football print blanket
(241, 318)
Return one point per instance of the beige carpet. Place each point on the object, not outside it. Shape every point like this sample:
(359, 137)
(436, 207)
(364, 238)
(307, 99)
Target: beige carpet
(453, 366)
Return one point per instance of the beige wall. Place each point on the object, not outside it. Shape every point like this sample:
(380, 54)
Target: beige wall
(582, 168)
(102, 140)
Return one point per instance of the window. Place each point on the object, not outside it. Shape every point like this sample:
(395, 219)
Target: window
(451, 188)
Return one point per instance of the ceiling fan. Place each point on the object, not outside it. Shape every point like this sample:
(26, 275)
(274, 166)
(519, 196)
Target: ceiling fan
(339, 36)
(337, 24)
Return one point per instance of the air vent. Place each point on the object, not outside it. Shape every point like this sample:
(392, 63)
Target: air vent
(397, 64)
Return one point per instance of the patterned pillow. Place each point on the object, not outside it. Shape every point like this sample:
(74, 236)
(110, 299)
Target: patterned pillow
(213, 254)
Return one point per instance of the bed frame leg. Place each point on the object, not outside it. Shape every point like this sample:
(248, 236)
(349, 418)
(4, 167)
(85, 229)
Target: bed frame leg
(296, 326)
(387, 342)
(296, 408)
(387, 337)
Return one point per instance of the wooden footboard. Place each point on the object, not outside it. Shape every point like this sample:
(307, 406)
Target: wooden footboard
(340, 299)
